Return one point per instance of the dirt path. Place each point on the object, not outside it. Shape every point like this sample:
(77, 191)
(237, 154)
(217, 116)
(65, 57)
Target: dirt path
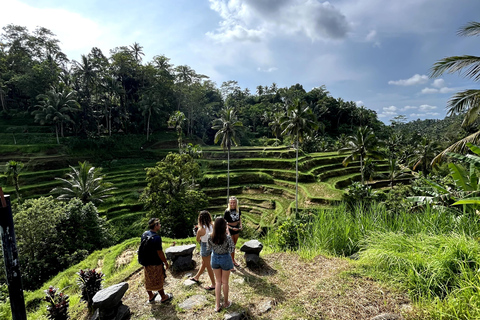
(325, 288)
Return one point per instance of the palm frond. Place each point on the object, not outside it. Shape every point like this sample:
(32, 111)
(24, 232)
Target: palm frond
(453, 64)
(457, 147)
(471, 29)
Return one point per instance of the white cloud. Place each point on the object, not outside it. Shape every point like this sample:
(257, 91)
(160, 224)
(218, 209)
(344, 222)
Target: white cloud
(438, 83)
(252, 20)
(78, 34)
(425, 107)
(433, 90)
(446, 90)
(429, 90)
(359, 103)
(390, 109)
(272, 69)
(414, 80)
(372, 37)
(408, 108)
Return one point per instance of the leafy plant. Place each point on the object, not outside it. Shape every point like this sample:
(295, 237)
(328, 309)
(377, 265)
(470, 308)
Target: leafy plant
(90, 282)
(57, 304)
(289, 233)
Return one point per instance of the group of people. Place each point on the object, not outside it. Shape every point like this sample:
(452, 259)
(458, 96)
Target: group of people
(217, 248)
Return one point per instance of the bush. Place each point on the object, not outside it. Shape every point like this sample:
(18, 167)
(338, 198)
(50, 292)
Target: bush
(57, 304)
(289, 233)
(90, 283)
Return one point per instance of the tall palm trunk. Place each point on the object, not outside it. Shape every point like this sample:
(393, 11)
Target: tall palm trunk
(148, 122)
(228, 174)
(361, 168)
(56, 133)
(296, 176)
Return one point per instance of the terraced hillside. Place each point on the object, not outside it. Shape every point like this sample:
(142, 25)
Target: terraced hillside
(263, 178)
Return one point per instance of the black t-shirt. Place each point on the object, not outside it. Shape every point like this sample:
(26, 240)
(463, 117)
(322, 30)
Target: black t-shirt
(153, 246)
(232, 215)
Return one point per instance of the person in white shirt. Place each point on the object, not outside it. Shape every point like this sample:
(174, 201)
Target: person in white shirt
(205, 227)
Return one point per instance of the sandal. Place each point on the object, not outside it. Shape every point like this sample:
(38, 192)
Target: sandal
(153, 299)
(169, 297)
(209, 288)
(194, 280)
(228, 304)
(218, 310)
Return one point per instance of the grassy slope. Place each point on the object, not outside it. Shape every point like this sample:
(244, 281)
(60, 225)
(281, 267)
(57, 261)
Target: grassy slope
(327, 288)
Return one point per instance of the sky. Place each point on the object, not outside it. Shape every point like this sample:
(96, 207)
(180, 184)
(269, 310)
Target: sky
(377, 53)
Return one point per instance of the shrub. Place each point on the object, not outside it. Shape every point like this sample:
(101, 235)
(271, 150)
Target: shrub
(90, 283)
(288, 234)
(57, 304)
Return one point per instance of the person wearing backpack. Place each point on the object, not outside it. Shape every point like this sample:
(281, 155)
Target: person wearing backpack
(151, 256)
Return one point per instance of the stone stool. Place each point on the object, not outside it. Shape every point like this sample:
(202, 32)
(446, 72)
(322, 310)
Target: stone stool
(252, 250)
(108, 303)
(181, 257)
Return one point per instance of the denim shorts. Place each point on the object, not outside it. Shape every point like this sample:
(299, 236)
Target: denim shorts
(223, 261)
(203, 250)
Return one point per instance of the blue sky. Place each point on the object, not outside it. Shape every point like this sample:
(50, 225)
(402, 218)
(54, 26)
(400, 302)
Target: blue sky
(375, 52)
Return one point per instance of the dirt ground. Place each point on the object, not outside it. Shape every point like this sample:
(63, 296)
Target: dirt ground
(325, 288)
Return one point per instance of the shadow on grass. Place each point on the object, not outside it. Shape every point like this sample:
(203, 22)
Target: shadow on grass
(257, 278)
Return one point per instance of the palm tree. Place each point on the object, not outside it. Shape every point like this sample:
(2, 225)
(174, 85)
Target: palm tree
(55, 107)
(276, 125)
(229, 128)
(360, 146)
(298, 123)
(176, 121)
(137, 51)
(149, 105)
(86, 183)
(467, 101)
(12, 170)
(394, 171)
(424, 153)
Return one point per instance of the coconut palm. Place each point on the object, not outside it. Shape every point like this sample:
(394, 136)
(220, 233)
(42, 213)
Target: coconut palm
(467, 101)
(298, 123)
(229, 129)
(12, 170)
(176, 121)
(360, 146)
(86, 183)
(55, 108)
(423, 154)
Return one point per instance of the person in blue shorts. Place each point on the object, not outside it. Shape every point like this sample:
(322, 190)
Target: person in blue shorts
(205, 227)
(221, 244)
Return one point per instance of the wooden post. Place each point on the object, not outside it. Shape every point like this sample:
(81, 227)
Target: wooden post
(10, 257)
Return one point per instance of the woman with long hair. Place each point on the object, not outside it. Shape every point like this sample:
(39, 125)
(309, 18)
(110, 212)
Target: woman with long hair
(233, 217)
(221, 244)
(205, 227)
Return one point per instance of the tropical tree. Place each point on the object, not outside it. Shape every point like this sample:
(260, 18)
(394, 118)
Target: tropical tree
(176, 121)
(12, 170)
(149, 105)
(276, 125)
(86, 183)
(298, 123)
(423, 154)
(467, 101)
(394, 171)
(55, 107)
(171, 196)
(229, 128)
(360, 146)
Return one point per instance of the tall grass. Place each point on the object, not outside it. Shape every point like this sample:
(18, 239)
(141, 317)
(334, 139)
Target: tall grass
(340, 230)
(433, 253)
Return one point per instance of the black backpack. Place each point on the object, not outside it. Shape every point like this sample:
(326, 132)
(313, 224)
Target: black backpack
(145, 251)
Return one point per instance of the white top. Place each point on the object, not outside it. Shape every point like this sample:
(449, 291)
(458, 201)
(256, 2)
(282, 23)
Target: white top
(208, 230)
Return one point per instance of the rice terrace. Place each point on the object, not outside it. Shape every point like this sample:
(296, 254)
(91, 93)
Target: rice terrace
(340, 215)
